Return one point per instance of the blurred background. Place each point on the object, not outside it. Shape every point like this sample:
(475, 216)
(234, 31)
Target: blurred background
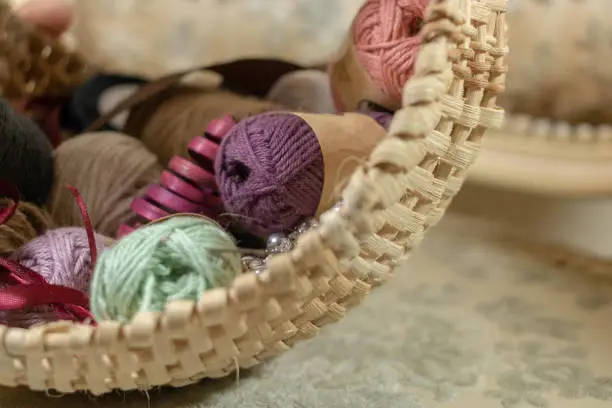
(547, 173)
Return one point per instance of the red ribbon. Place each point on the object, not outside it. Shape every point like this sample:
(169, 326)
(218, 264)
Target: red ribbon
(29, 289)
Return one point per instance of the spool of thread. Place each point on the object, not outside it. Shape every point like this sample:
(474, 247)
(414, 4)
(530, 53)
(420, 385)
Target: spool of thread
(27, 223)
(109, 169)
(188, 186)
(26, 158)
(277, 170)
(306, 90)
(177, 258)
(96, 97)
(167, 123)
(378, 56)
(62, 256)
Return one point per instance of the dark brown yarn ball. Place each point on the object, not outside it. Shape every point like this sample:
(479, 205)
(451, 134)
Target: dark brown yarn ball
(167, 123)
(26, 155)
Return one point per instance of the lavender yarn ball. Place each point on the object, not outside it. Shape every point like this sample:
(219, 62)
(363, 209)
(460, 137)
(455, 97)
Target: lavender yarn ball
(62, 256)
(269, 170)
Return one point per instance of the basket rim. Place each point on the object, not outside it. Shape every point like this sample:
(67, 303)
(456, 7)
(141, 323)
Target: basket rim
(434, 101)
(572, 159)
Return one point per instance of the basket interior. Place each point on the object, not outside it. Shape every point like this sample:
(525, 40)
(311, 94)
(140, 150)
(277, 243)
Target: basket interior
(387, 206)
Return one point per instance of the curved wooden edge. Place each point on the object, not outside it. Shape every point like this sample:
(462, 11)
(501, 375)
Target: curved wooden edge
(542, 174)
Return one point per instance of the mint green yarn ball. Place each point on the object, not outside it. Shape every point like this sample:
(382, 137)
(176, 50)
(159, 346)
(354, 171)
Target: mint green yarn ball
(176, 259)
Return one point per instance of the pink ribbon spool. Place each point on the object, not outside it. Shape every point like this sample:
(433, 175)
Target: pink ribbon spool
(187, 186)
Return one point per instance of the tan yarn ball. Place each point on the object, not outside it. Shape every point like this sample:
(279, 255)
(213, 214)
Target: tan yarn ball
(167, 123)
(27, 223)
(306, 90)
(109, 169)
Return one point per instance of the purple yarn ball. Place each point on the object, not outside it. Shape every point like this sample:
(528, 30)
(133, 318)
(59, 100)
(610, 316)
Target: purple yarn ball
(270, 171)
(61, 256)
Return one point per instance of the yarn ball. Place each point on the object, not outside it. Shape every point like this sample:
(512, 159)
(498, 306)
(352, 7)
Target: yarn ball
(167, 123)
(109, 169)
(386, 38)
(27, 223)
(26, 155)
(62, 256)
(269, 170)
(175, 259)
(306, 90)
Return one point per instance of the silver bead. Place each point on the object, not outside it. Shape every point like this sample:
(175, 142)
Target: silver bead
(337, 206)
(278, 243)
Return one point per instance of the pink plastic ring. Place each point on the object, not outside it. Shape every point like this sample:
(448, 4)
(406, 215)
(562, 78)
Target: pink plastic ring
(219, 127)
(191, 171)
(174, 183)
(147, 210)
(201, 147)
(170, 200)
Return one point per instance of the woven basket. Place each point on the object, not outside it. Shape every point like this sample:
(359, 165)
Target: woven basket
(388, 204)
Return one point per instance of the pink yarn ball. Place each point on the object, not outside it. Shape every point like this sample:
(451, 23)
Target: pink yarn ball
(386, 39)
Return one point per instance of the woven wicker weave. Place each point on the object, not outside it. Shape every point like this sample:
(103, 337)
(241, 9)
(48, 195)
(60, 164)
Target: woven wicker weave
(32, 63)
(388, 204)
